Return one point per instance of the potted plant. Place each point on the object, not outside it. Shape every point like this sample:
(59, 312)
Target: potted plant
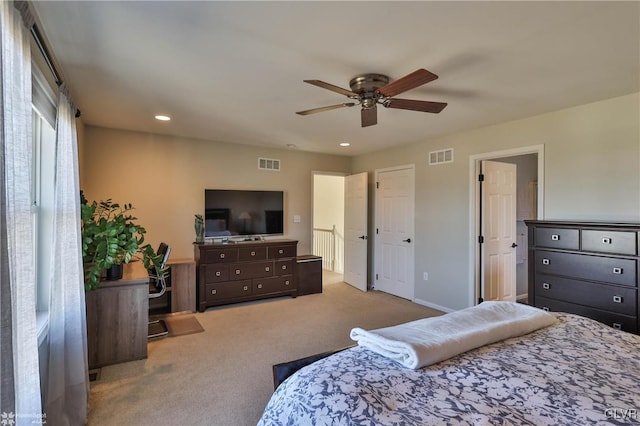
(111, 238)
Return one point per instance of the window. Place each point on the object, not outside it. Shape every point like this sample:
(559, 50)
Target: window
(44, 139)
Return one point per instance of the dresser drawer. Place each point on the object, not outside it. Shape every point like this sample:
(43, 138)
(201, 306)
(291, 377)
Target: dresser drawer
(273, 285)
(284, 267)
(217, 272)
(218, 255)
(255, 253)
(557, 238)
(621, 242)
(617, 299)
(622, 322)
(596, 268)
(227, 290)
(276, 252)
(246, 270)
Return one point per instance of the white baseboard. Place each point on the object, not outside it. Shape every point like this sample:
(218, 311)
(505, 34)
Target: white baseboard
(433, 305)
(522, 296)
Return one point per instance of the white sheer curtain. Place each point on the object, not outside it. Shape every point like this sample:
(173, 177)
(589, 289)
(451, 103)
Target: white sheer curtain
(68, 381)
(20, 379)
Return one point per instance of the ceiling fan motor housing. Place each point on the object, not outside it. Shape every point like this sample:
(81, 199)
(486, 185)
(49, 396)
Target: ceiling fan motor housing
(367, 85)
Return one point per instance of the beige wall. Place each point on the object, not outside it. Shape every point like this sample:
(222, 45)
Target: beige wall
(164, 178)
(591, 164)
(80, 132)
(592, 172)
(328, 206)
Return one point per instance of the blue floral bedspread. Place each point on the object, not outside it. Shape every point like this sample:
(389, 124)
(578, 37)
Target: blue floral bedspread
(576, 372)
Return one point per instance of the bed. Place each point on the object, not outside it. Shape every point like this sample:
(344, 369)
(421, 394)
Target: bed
(573, 372)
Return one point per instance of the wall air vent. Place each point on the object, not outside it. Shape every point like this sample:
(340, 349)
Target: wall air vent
(441, 157)
(268, 164)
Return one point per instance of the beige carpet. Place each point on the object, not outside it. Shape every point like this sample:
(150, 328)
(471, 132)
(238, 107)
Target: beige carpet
(222, 376)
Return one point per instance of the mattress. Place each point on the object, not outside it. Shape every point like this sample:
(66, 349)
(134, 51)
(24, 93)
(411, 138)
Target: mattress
(575, 372)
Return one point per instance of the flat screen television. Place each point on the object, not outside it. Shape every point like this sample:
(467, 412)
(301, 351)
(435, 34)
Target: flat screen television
(229, 213)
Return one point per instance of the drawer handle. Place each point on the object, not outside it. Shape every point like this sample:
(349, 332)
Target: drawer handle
(286, 282)
(617, 271)
(545, 308)
(546, 286)
(284, 267)
(617, 299)
(266, 268)
(218, 273)
(245, 288)
(237, 271)
(280, 251)
(555, 237)
(259, 285)
(221, 255)
(617, 326)
(545, 261)
(253, 253)
(214, 291)
(606, 240)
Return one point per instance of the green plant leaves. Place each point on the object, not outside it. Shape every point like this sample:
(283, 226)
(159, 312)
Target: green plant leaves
(110, 237)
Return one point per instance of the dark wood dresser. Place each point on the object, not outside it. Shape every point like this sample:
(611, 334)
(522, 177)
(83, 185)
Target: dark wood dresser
(242, 271)
(586, 268)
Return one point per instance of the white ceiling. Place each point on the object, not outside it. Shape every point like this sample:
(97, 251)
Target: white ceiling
(233, 71)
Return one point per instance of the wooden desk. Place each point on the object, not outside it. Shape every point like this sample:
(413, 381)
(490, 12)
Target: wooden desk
(117, 318)
(183, 285)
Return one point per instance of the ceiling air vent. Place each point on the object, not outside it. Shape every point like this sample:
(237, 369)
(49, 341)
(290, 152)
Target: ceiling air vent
(268, 164)
(441, 157)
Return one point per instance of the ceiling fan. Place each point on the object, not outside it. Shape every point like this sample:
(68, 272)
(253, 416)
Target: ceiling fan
(369, 90)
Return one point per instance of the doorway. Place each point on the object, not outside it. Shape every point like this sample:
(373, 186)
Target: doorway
(328, 224)
(529, 163)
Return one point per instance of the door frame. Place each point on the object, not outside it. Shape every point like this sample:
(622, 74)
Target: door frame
(315, 173)
(474, 207)
(374, 223)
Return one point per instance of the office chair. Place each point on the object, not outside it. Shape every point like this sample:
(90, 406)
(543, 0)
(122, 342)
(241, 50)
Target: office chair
(157, 287)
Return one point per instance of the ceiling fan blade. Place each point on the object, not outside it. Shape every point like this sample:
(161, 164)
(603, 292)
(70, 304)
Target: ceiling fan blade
(423, 106)
(331, 87)
(327, 108)
(408, 82)
(369, 116)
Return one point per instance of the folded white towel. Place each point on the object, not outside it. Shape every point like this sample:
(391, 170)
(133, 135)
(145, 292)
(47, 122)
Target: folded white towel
(424, 342)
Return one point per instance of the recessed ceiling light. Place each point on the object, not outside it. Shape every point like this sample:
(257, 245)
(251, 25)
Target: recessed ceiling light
(345, 144)
(292, 146)
(163, 117)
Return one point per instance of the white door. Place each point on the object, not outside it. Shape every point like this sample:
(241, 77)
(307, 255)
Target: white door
(355, 231)
(499, 230)
(394, 239)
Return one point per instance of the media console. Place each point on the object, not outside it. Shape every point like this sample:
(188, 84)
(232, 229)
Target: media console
(242, 271)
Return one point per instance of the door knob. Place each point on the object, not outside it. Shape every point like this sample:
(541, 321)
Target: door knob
(514, 245)
(408, 240)
(363, 237)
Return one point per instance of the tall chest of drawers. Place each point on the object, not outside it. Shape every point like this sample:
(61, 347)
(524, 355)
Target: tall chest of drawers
(586, 268)
(238, 272)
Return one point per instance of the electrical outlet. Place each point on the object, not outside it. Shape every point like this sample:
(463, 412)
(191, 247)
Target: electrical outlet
(425, 276)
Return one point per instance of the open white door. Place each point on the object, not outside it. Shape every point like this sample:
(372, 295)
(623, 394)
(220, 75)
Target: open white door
(394, 239)
(499, 230)
(355, 231)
